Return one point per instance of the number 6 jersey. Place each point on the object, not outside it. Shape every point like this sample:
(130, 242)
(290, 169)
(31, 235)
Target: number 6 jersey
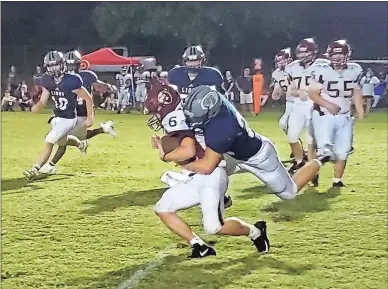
(337, 86)
(65, 100)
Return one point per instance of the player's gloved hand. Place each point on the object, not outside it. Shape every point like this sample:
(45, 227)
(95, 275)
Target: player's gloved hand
(154, 141)
(333, 108)
(88, 122)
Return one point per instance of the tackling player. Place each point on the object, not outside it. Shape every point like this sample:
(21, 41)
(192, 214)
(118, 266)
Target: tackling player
(89, 78)
(209, 113)
(334, 86)
(205, 190)
(64, 89)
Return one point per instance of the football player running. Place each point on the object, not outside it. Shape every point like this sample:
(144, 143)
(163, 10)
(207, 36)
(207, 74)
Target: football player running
(64, 89)
(194, 73)
(89, 78)
(281, 84)
(334, 86)
(123, 80)
(205, 190)
(208, 113)
(299, 72)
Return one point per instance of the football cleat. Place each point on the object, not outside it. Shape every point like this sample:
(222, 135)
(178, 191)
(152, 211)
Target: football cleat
(295, 167)
(83, 148)
(201, 251)
(108, 128)
(262, 242)
(48, 169)
(339, 184)
(227, 201)
(30, 174)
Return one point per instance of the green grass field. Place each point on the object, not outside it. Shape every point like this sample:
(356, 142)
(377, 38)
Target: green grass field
(93, 226)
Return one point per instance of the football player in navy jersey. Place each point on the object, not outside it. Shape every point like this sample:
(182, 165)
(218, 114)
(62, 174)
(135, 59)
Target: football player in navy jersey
(89, 78)
(194, 73)
(64, 88)
(227, 135)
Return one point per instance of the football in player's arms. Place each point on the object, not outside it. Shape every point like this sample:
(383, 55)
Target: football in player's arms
(180, 147)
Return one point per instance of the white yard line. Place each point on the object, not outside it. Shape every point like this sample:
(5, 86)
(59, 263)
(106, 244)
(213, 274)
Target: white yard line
(141, 274)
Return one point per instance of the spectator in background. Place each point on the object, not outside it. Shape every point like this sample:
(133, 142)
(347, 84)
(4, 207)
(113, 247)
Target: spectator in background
(368, 83)
(12, 79)
(8, 101)
(37, 75)
(245, 87)
(24, 97)
(258, 83)
(379, 90)
(230, 88)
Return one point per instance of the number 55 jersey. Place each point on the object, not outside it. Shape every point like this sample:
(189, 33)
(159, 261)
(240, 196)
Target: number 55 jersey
(337, 86)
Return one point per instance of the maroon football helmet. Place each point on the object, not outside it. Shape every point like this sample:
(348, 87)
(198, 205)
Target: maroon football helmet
(339, 52)
(161, 100)
(282, 58)
(306, 51)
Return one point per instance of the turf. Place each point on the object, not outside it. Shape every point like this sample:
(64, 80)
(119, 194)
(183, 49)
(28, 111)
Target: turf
(92, 225)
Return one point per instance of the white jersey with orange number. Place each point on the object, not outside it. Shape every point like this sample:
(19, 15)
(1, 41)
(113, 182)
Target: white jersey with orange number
(337, 86)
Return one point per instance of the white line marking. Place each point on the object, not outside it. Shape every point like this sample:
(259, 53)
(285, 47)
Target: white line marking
(141, 274)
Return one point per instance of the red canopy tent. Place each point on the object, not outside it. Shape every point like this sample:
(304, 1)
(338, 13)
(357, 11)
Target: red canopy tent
(105, 59)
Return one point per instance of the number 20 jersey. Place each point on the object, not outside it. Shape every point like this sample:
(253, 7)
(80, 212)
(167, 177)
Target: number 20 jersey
(65, 100)
(337, 86)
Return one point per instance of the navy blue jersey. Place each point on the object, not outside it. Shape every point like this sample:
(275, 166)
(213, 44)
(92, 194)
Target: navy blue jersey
(228, 132)
(88, 78)
(206, 76)
(65, 99)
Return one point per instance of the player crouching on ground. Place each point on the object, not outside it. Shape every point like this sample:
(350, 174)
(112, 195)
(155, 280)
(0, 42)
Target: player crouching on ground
(333, 87)
(198, 189)
(64, 88)
(89, 79)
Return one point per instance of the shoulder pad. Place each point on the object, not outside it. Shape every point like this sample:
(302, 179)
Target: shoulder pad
(354, 66)
(214, 70)
(322, 62)
(75, 80)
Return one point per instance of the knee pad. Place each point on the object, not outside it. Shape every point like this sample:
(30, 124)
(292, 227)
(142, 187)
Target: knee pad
(341, 156)
(212, 228)
(162, 207)
(289, 193)
(293, 136)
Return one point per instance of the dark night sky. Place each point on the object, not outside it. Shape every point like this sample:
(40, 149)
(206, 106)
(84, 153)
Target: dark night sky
(36, 24)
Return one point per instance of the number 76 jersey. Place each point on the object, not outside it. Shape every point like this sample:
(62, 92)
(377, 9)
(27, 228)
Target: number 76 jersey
(337, 86)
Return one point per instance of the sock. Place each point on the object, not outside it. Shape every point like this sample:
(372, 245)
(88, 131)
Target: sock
(196, 240)
(254, 233)
(318, 162)
(336, 180)
(93, 132)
